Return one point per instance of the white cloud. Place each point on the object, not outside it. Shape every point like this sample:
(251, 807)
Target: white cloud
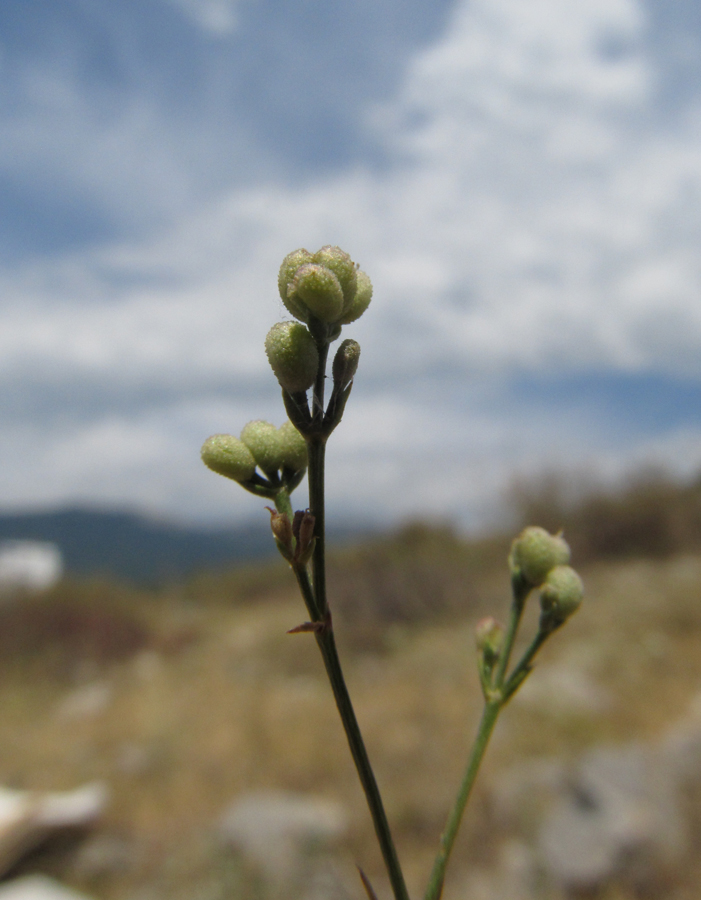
(536, 216)
(122, 161)
(219, 17)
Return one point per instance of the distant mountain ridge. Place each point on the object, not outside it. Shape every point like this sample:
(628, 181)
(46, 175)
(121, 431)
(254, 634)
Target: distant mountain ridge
(130, 546)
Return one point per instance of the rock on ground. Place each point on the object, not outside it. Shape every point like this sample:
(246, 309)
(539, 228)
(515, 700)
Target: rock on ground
(276, 830)
(618, 817)
(37, 887)
(28, 818)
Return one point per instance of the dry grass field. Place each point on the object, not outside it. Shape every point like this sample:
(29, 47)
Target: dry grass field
(182, 699)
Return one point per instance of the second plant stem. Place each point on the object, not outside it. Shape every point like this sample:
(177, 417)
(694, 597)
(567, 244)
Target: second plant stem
(494, 702)
(484, 732)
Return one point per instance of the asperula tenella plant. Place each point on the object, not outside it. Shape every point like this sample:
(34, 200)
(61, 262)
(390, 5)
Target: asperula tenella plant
(324, 291)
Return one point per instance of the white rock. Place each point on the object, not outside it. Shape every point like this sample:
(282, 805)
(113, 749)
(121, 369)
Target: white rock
(29, 565)
(274, 829)
(73, 809)
(28, 818)
(514, 876)
(620, 817)
(37, 887)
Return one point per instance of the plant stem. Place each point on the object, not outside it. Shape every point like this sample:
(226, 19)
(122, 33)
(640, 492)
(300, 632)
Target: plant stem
(327, 645)
(490, 713)
(486, 726)
(316, 448)
(305, 587)
(317, 604)
(520, 593)
(318, 395)
(521, 670)
(313, 599)
(283, 503)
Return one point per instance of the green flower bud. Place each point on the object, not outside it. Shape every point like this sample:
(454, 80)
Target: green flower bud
(294, 447)
(535, 552)
(489, 637)
(292, 355)
(345, 364)
(319, 290)
(361, 301)
(343, 267)
(227, 455)
(560, 595)
(286, 276)
(264, 442)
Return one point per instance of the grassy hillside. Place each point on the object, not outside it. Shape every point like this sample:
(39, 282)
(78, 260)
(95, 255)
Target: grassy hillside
(183, 698)
(125, 545)
(650, 515)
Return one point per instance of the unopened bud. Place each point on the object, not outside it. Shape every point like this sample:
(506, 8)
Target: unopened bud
(489, 637)
(560, 596)
(294, 447)
(263, 440)
(227, 455)
(281, 527)
(343, 267)
(345, 364)
(292, 355)
(361, 300)
(286, 276)
(535, 552)
(319, 290)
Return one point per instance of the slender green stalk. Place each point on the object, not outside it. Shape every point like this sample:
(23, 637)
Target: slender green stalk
(317, 453)
(327, 645)
(520, 594)
(490, 713)
(521, 670)
(318, 396)
(486, 726)
(317, 603)
(283, 503)
(316, 447)
(305, 587)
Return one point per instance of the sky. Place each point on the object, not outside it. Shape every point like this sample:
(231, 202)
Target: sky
(521, 181)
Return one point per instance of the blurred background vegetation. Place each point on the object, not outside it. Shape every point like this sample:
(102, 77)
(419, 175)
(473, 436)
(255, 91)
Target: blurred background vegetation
(185, 694)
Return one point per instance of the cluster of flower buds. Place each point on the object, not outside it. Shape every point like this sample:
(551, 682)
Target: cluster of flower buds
(539, 559)
(326, 285)
(323, 290)
(263, 459)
